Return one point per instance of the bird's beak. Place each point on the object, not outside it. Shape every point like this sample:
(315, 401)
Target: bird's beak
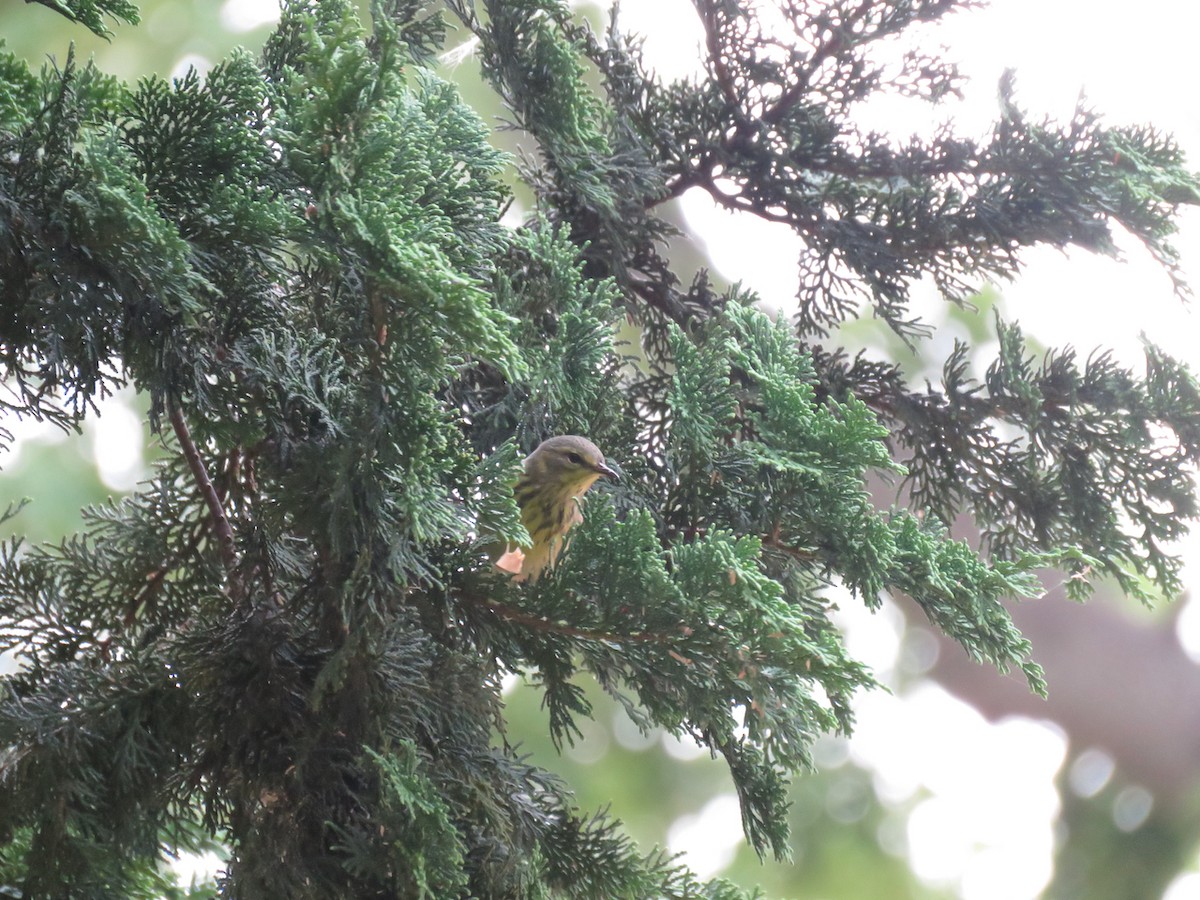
(608, 473)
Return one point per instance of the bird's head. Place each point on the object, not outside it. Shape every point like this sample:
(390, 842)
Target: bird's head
(569, 461)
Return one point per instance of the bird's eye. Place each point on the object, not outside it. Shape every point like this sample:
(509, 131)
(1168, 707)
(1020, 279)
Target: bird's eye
(575, 459)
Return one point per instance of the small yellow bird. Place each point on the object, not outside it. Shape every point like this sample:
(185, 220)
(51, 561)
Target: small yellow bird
(556, 475)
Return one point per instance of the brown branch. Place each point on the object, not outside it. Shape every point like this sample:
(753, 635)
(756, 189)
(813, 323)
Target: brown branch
(520, 617)
(156, 577)
(726, 82)
(712, 40)
(839, 42)
(773, 541)
(220, 524)
(841, 39)
(233, 468)
(678, 187)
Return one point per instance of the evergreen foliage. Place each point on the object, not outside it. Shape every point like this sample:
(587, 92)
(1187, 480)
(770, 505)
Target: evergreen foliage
(91, 13)
(291, 642)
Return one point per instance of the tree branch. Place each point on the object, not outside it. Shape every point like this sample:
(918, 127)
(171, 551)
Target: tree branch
(220, 523)
(773, 542)
(712, 39)
(538, 623)
(156, 577)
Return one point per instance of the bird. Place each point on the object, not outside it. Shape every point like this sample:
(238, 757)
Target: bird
(555, 476)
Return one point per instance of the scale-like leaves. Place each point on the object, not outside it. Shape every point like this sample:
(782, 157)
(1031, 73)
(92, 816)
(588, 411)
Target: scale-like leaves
(292, 640)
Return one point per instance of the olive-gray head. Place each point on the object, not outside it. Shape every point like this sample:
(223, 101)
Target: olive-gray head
(568, 461)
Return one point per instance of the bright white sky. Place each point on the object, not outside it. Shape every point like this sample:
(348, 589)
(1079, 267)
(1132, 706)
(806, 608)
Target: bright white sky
(993, 840)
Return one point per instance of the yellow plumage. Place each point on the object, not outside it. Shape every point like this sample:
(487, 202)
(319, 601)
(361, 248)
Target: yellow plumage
(556, 475)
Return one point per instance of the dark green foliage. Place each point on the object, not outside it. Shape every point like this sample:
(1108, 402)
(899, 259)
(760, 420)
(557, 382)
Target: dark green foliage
(91, 13)
(291, 641)
(876, 216)
(1074, 456)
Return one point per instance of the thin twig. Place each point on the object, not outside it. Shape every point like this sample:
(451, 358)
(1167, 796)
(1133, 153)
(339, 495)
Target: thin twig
(798, 553)
(220, 524)
(510, 614)
(155, 579)
(712, 39)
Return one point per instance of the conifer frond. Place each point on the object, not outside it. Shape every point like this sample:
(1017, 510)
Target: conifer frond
(290, 641)
(91, 13)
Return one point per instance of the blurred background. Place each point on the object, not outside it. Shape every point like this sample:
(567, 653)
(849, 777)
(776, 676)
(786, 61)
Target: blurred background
(956, 783)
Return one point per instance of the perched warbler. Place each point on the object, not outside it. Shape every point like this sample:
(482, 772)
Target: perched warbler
(556, 475)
